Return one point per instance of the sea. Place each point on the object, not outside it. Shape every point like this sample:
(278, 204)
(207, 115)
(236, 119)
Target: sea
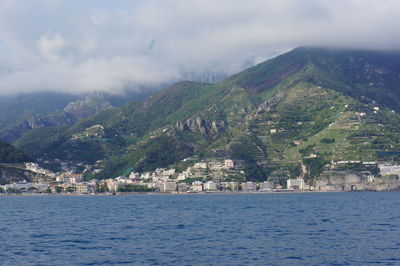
(202, 229)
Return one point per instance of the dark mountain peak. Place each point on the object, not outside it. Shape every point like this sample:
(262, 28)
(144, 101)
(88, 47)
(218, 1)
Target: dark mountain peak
(371, 74)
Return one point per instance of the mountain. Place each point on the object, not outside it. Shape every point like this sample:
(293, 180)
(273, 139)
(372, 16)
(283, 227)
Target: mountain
(288, 116)
(25, 112)
(12, 168)
(17, 108)
(9, 154)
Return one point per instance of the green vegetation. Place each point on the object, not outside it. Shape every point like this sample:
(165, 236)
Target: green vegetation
(88, 176)
(102, 190)
(298, 111)
(327, 140)
(70, 189)
(23, 106)
(9, 154)
(314, 167)
(359, 168)
(135, 188)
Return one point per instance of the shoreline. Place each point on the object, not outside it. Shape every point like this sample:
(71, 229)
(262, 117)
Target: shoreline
(180, 193)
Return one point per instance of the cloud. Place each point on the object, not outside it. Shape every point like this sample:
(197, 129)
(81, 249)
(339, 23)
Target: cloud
(50, 47)
(80, 46)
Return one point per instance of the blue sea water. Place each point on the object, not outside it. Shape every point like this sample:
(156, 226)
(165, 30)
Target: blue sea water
(234, 229)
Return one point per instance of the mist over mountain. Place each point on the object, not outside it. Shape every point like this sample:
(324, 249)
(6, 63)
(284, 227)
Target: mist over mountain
(79, 47)
(337, 104)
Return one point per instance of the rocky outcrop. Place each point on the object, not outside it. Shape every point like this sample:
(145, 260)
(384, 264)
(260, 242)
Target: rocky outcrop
(87, 107)
(57, 119)
(206, 127)
(269, 104)
(347, 181)
(72, 113)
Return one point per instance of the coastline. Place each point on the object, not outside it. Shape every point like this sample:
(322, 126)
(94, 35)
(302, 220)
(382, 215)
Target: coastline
(177, 193)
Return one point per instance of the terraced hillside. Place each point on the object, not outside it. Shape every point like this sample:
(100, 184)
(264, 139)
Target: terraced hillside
(289, 114)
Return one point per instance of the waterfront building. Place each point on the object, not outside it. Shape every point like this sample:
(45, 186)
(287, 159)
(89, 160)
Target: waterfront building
(297, 184)
(210, 186)
(182, 187)
(249, 186)
(168, 186)
(230, 186)
(266, 186)
(197, 186)
(112, 185)
(81, 188)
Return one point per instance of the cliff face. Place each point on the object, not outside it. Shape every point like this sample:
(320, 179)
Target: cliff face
(207, 128)
(347, 181)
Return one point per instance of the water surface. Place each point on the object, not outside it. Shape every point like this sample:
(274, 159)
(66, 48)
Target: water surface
(235, 229)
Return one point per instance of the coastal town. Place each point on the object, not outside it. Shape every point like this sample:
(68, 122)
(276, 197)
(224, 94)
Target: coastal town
(201, 177)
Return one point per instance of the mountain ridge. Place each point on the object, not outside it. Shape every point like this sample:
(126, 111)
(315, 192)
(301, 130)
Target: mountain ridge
(255, 117)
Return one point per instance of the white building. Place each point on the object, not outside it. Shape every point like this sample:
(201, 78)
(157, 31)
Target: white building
(249, 186)
(210, 186)
(229, 164)
(386, 169)
(146, 175)
(231, 186)
(266, 186)
(168, 172)
(134, 176)
(112, 185)
(200, 166)
(81, 188)
(168, 186)
(297, 184)
(20, 186)
(197, 186)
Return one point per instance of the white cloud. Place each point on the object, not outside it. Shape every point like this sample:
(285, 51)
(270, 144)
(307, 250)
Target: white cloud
(79, 45)
(50, 47)
(99, 16)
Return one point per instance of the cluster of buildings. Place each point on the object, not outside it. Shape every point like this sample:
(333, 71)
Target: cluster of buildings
(205, 176)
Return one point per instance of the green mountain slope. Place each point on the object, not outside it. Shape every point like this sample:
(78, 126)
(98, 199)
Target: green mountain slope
(9, 154)
(22, 113)
(299, 110)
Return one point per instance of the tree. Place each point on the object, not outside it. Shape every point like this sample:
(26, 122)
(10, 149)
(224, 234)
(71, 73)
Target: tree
(70, 189)
(102, 189)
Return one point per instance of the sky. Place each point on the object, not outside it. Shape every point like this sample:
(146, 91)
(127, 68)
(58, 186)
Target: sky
(85, 45)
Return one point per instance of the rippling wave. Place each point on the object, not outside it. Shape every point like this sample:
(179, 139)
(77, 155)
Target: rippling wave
(235, 229)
